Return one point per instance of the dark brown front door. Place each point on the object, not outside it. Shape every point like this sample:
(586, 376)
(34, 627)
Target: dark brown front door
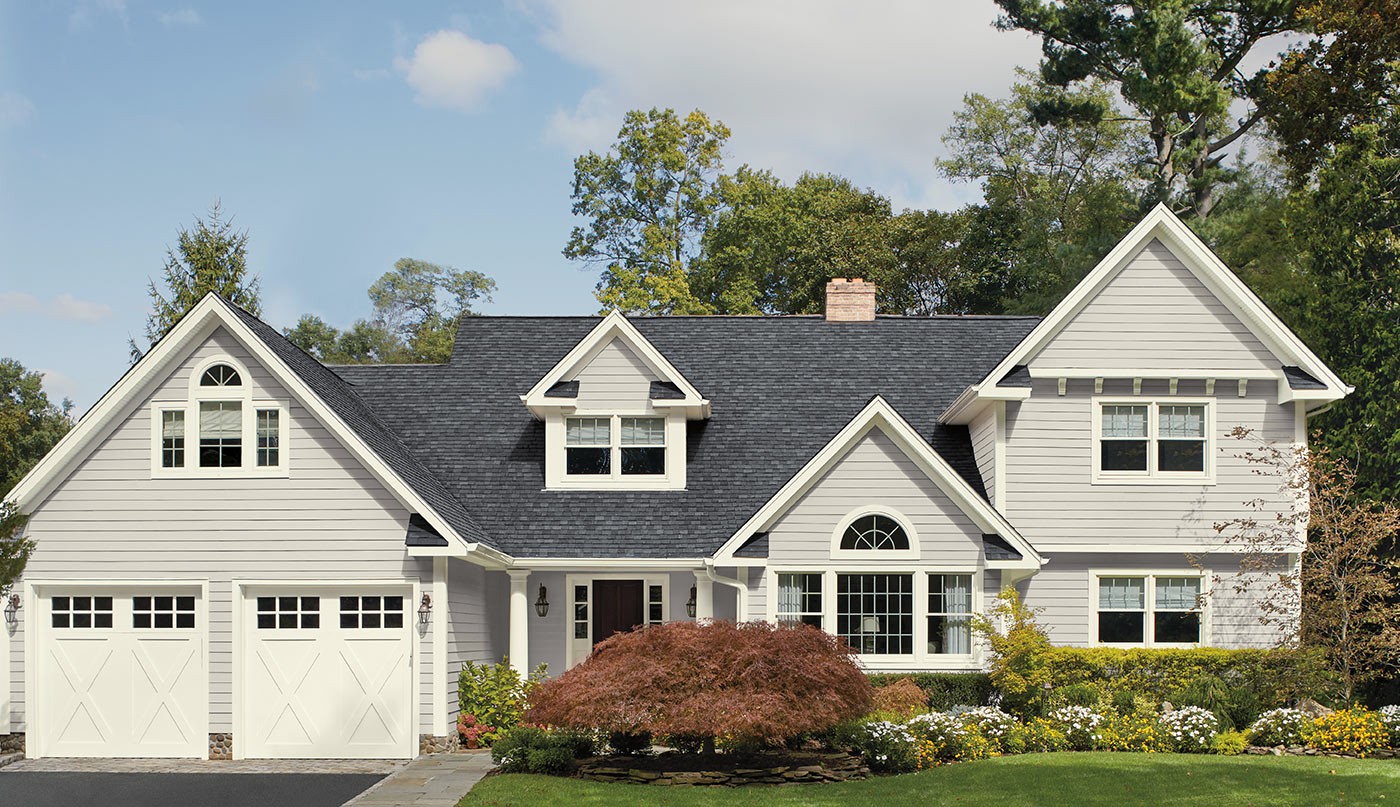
(617, 607)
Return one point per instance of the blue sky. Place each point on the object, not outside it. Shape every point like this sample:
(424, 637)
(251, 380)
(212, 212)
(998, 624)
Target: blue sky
(344, 136)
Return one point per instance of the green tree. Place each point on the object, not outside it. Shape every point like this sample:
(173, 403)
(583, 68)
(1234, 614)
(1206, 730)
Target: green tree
(773, 247)
(926, 245)
(1177, 65)
(210, 257)
(30, 425)
(648, 199)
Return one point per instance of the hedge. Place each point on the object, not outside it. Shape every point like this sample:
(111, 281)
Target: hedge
(1276, 676)
(945, 690)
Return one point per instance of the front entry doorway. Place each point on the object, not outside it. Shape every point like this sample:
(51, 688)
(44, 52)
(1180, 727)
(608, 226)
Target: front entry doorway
(617, 607)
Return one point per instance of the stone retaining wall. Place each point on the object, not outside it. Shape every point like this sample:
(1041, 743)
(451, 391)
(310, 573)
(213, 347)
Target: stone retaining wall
(1306, 751)
(12, 743)
(832, 768)
(435, 744)
(221, 746)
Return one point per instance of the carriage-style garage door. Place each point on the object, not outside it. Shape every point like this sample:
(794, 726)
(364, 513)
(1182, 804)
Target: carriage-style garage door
(121, 671)
(327, 672)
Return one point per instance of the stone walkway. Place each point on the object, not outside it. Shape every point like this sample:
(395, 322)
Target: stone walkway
(65, 765)
(435, 780)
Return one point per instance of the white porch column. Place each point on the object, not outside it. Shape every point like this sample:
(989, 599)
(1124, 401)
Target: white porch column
(519, 622)
(443, 722)
(704, 596)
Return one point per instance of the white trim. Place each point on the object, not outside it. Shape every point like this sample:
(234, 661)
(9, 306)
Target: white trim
(1100, 373)
(238, 595)
(33, 734)
(248, 434)
(6, 660)
(614, 325)
(920, 659)
(442, 721)
(999, 459)
(207, 315)
(1151, 476)
(879, 414)
(875, 509)
(630, 564)
(1163, 225)
(576, 650)
(556, 446)
(1149, 598)
(1223, 548)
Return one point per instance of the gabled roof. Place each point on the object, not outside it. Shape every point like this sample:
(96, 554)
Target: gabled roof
(782, 388)
(880, 415)
(672, 388)
(1161, 224)
(321, 391)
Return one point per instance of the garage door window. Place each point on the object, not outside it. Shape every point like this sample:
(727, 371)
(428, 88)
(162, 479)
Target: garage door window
(82, 612)
(371, 612)
(161, 611)
(289, 613)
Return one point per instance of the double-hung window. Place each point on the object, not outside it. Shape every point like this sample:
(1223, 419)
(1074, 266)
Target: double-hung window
(1152, 440)
(950, 614)
(1149, 609)
(614, 447)
(220, 434)
(800, 599)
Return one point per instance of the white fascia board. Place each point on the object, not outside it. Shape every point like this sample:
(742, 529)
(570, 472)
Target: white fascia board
(589, 564)
(975, 398)
(1229, 548)
(879, 414)
(1162, 224)
(614, 325)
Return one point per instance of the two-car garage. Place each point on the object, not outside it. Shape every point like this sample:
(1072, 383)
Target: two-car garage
(319, 670)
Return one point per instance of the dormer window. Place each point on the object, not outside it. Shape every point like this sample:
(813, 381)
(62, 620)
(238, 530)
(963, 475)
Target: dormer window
(220, 429)
(610, 447)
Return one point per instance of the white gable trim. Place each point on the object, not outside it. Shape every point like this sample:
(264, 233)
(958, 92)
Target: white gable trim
(201, 321)
(615, 326)
(879, 414)
(1163, 225)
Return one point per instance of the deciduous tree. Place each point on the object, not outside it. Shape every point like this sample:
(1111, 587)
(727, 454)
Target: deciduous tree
(30, 425)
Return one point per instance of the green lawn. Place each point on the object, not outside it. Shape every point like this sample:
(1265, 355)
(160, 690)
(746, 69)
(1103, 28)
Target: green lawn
(1112, 780)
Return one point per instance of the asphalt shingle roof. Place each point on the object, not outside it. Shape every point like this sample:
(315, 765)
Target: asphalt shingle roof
(1298, 378)
(780, 388)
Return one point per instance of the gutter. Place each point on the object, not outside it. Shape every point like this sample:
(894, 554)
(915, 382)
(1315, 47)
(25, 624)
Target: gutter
(742, 608)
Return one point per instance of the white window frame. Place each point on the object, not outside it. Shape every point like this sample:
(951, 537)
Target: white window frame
(1151, 476)
(1149, 619)
(795, 617)
(249, 405)
(556, 447)
(576, 650)
(918, 661)
(837, 553)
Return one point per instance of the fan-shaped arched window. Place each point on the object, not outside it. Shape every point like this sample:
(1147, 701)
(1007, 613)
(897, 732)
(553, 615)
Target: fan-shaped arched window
(875, 532)
(221, 375)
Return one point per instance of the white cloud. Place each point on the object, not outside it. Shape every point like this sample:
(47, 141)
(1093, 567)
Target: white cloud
(15, 109)
(59, 386)
(866, 90)
(64, 306)
(178, 17)
(85, 12)
(450, 69)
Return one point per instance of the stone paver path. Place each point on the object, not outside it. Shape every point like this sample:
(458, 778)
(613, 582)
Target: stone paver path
(435, 780)
(66, 765)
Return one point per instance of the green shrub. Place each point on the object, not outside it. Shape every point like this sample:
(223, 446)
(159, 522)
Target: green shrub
(495, 695)
(684, 743)
(887, 747)
(1126, 702)
(1230, 743)
(1019, 647)
(631, 743)
(1136, 731)
(1083, 694)
(1014, 741)
(511, 749)
(579, 743)
(550, 759)
(1043, 736)
(1280, 727)
(944, 690)
(531, 749)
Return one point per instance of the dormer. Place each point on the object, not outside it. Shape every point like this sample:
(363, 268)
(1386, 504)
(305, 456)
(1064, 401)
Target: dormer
(615, 411)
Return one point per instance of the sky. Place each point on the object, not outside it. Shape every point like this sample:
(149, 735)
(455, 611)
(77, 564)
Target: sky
(343, 136)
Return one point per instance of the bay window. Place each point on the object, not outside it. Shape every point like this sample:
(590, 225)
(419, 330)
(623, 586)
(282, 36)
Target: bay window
(1152, 440)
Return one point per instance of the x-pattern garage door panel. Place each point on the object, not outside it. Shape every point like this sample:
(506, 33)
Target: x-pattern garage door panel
(107, 688)
(328, 672)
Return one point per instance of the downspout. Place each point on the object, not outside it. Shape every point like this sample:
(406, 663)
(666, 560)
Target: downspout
(1327, 407)
(742, 610)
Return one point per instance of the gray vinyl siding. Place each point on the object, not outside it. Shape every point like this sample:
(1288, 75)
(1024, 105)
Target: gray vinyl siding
(470, 607)
(615, 380)
(983, 431)
(1156, 315)
(1049, 464)
(1062, 590)
(874, 473)
(330, 519)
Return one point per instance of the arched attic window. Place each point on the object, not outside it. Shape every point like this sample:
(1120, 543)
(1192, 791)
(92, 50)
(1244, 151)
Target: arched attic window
(221, 375)
(875, 532)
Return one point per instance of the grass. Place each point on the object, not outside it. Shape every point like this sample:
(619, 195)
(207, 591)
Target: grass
(1111, 780)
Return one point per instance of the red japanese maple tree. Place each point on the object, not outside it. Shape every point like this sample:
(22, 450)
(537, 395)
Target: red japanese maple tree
(753, 680)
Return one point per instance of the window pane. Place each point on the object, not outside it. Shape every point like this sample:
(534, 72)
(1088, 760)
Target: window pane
(592, 461)
(1121, 594)
(875, 612)
(1122, 421)
(1181, 455)
(1181, 421)
(949, 634)
(580, 630)
(800, 598)
(1120, 626)
(588, 431)
(220, 434)
(220, 375)
(1178, 593)
(1123, 455)
(643, 460)
(874, 532)
(643, 431)
(268, 434)
(1177, 626)
(172, 434)
(950, 593)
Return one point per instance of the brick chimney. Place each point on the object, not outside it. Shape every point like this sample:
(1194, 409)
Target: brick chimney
(850, 299)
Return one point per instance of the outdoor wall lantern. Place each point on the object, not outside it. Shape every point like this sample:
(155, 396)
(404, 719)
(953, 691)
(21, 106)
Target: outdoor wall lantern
(425, 610)
(690, 604)
(12, 609)
(542, 603)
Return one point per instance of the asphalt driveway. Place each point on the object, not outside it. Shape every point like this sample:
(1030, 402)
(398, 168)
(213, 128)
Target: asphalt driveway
(42, 788)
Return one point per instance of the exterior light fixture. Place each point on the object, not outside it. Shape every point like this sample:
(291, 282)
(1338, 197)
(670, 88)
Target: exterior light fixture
(425, 610)
(690, 604)
(542, 603)
(12, 609)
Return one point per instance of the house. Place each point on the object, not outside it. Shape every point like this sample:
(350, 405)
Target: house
(240, 548)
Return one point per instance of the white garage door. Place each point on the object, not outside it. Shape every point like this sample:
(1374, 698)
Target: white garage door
(122, 672)
(328, 672)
